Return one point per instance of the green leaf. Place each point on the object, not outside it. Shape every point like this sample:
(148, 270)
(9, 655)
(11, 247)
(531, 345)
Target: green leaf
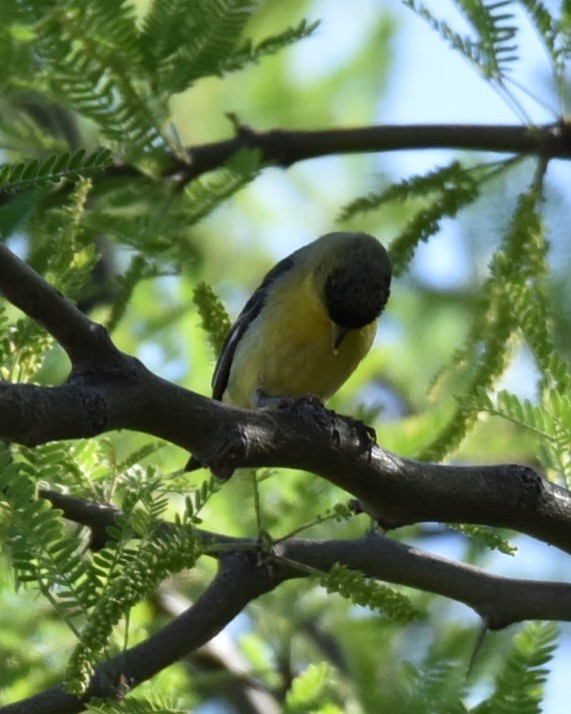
(520, 681)
(308, 689)
(55, 168)
(365, 592)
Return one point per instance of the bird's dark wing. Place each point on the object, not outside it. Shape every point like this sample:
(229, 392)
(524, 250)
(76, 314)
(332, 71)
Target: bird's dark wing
(249, 313)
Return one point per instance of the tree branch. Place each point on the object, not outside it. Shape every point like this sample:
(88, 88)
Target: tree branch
(239, 581)
(395, 490)
(221, 654)
(243, 577)
(377, 556)
(284, 147)
(505, 495)
(498, 600)
(85, 342)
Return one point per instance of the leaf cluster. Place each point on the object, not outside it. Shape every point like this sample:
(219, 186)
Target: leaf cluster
(130, 574)
(86, 86)
(91, 592)
(484, 357)
(366, 593)
(521, 284)
(493, 48)
(120, 68)
(513, 307)
(442, 193)
(520, 682)
(35, 173)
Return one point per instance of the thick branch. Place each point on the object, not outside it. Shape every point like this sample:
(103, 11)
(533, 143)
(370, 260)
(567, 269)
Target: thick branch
(395, 490)
(85, 342)
(499, 601)
(283, 147)
(238, 582)
(243, 577)
(222, 655)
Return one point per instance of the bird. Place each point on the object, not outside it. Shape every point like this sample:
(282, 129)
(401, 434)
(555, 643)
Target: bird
(308, 325)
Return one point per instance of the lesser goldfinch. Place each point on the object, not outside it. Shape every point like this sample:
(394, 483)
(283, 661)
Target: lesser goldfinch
(308, 325)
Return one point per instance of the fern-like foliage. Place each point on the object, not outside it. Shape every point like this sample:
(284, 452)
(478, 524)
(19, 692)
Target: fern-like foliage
(52, 170)
(91, 54)
(489, 538)
(215, 319)
(519, 262)
(68, 256)
(524, 288)
(150, 219)
(494, 47)
(520, 682)
(550, 421)
(436, 686)
(494, 25)
(66, 259)
(42, 552)
(204, 195)
(365, 592)
(194, 502)
(141, 570)
(120, 70)
(183, 43)
(254, 52)
(127, 570)
(91, 592)
(23, 347)
(557, 42)
(447, 190)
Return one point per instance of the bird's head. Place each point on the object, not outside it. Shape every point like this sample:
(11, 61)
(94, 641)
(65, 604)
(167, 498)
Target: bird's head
(354, 279)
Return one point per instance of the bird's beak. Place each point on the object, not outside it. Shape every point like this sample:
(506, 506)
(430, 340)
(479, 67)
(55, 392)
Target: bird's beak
(338, 334)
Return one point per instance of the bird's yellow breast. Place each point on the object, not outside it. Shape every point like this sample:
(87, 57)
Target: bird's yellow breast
(288, 349)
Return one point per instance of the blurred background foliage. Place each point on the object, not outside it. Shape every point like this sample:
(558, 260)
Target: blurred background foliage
(131, 250)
